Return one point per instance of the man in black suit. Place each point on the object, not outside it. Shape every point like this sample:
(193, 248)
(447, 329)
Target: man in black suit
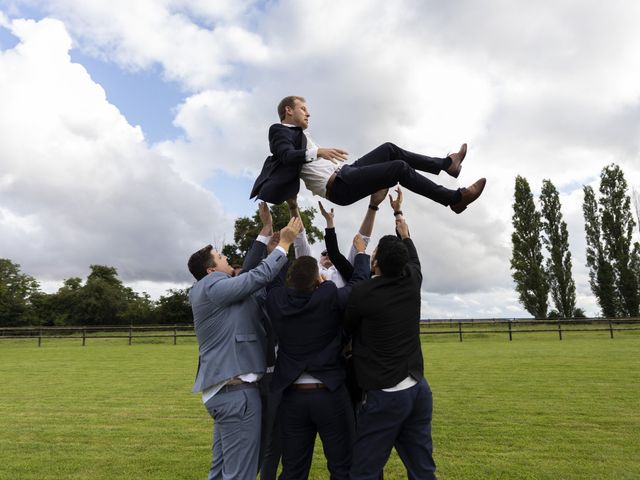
(295, 156)
(310, 371)
(383, 315)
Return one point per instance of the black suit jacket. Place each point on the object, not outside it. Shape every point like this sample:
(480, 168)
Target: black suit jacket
(383, 315)
(309, 329)
(279, 179)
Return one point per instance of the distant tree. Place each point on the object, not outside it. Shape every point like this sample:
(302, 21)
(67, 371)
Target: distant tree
(618, 226)
(102, 300)
(601, 276)
(174, 307)
(556, 240)
(140, 308)
(527, 260)
(16, 291)
(579, 313)
(247, 229)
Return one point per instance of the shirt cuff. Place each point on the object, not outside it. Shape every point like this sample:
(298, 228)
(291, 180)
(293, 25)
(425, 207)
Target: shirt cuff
(311, 154)
(282, 250)
(264, 239)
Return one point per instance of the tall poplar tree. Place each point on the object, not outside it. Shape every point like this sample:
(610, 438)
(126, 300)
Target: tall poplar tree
(526, 259)
(609, 225)
(556, 240)
(600, 271)
(618, 226)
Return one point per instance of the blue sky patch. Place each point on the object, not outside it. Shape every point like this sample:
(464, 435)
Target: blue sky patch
(143, 97)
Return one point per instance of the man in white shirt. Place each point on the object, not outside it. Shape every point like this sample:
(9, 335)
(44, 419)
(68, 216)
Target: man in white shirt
(296, 156)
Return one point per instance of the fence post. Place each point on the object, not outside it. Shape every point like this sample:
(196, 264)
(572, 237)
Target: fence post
(610, 328)
(460, 330)
(39, 337)
(130, 334)
(560, 329)
(84, 336)
(175, 334)
(510, 337)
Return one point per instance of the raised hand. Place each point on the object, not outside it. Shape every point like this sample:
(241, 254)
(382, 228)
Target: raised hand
(328, 216)
(265, 218)
(397, 203)
(289, 233)
(273, 242)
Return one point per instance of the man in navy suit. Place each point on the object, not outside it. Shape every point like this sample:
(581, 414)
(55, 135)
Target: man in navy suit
(310, 370)
(295, 156)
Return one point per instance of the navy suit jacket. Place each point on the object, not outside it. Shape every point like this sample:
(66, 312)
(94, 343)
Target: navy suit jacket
(309, 328)
(279, 179)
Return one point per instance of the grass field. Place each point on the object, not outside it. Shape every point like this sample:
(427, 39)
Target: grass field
(534, 408)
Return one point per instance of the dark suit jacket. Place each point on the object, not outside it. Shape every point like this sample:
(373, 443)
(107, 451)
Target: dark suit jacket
(280, 175)
(383, 314)
(309, 329)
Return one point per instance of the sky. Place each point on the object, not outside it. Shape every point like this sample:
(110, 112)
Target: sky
(131, 131)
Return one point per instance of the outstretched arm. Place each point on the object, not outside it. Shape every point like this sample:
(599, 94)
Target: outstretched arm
(362, 271)
(234, 289)
(301, 243)
(344, 267)
(258, 248)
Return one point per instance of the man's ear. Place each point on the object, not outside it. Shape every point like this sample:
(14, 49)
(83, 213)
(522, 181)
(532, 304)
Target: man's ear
(211, 269)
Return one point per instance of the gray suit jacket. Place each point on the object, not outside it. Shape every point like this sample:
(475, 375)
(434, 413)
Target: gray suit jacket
(227, 318)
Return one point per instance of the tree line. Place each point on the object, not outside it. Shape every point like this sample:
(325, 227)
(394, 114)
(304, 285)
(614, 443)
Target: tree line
(102, 299)
(613, 258)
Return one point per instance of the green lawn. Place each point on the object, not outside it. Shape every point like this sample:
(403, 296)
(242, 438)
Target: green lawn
(534, 408)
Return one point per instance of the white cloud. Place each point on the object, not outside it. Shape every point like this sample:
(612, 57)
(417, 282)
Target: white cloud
(79, 185)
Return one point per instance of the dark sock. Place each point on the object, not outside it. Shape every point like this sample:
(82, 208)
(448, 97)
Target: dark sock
(456, 197)
(447, 163)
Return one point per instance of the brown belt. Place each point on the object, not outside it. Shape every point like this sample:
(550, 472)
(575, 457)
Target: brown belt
(234, 381)
(332, 179)
(307, 386)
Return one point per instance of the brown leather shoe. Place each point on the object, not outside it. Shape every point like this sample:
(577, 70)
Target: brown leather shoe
(456, 161)
(469, 195)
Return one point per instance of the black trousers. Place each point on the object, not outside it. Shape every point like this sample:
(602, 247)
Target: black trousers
(386, 166)
(395, 419)
(305, 413)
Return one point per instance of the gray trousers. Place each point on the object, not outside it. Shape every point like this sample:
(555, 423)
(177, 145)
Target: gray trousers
(237, 417)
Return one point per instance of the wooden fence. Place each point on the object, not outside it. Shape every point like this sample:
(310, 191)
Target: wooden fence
(458, 327)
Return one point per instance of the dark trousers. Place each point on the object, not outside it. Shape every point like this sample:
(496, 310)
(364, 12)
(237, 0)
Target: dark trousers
(305, 413)
(386, 166)
(394, 419)
(271, 440)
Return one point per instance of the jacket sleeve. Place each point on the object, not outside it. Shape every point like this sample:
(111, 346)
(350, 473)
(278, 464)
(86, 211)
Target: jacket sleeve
(362, 271)
(301, 244)
(414, 261)
(341, 263)
(282, 145)
(256, 253)
(234, 289)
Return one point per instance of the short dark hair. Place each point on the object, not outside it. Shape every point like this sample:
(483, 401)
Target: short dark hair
(303, 274)
(289, 101)
(391, 255)
(200, 261)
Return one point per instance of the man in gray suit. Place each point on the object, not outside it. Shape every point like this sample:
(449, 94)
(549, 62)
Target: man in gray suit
(232, 350)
